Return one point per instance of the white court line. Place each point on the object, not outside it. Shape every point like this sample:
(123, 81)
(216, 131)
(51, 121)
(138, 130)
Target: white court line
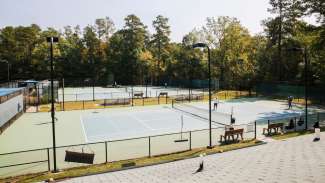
(141, 122)
(83, 129)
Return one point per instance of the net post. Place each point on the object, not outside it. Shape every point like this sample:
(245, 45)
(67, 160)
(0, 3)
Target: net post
(149, 143)
(190, 141)
(255, 130)
(106, 152)
(83, 104)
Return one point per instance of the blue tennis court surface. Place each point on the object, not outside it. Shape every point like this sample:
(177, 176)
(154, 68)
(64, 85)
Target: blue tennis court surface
(149, 121)
(137, 123)
(7, 91)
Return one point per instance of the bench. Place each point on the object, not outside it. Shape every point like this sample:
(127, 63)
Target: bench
(232, 133)
(117, 102)
(186, 97)
(163, 94)
(138, 95)
(274, 126)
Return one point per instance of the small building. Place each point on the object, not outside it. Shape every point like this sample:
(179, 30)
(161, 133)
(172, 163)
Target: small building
(11, 106)
(27, 83)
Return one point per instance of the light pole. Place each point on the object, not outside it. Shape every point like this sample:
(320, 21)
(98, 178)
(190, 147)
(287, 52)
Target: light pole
(52, 40)
(203, 45)
(304, 51)
(8, 70)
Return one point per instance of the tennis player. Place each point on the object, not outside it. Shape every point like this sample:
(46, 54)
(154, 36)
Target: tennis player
(215, 103)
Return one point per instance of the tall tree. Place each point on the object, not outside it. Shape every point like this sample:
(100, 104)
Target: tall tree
(105, 28)
(126, 47)
(160, 42)
(282, 27)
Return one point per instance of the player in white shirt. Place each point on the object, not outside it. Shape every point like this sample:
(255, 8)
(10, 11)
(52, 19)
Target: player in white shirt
(215, 103)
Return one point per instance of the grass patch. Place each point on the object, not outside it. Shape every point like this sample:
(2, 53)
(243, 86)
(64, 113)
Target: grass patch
(114, 166)
(294, 134)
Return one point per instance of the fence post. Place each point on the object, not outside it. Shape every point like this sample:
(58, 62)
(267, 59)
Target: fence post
(38, 98)
(105, 151)
(268, 124)
(255, 130)
(132, 95)
(190, 140)
(149, 146)
(48, 159)
(62, 93)
(306, 127)
(132, 101)
(295, 124)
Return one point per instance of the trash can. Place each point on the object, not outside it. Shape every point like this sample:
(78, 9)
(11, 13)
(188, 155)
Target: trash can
(317, 131)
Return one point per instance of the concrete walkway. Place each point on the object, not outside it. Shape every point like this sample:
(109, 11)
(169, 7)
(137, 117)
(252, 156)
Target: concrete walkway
(294, 160)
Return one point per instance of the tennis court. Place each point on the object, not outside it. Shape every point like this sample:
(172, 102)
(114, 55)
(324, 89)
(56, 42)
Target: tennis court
(248, 110)
(129, 122)
(131, 132)
(88, 93)
(102, 125)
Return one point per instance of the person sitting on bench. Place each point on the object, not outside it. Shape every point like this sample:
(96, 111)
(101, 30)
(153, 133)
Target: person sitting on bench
(300, 122)
(291, 125)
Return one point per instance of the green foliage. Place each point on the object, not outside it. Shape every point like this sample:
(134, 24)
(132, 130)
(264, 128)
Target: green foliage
(159, 44)
(132, 55)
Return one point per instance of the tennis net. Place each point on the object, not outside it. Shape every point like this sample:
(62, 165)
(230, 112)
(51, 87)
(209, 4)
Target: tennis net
(216, 117)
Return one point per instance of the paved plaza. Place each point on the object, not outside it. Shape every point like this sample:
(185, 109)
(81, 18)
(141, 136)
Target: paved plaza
(293, 160)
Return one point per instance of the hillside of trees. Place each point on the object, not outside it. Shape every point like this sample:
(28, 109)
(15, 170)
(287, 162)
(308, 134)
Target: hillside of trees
(133, 55)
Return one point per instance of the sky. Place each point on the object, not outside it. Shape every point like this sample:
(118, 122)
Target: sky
(184, 15)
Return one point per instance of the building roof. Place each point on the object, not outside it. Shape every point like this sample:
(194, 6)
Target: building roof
(29, 81)
(8, 91)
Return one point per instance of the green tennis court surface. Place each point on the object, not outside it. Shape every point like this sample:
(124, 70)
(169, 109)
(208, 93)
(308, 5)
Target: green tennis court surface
(33, 130)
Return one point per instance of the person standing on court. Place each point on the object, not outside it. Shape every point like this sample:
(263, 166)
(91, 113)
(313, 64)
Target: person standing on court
(290, 99)
(215, 103)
